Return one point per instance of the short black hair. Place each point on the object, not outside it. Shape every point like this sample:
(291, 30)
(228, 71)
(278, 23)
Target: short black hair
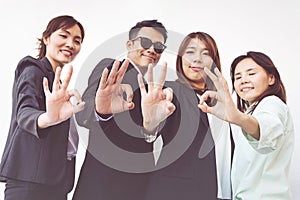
(148, 23)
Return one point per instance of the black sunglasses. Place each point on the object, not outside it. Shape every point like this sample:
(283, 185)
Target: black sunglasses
(146, 43)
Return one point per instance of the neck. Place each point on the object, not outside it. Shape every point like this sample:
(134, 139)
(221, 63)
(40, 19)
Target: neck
(53, 63)
(200, 91)
(198, 85)
(143, 70)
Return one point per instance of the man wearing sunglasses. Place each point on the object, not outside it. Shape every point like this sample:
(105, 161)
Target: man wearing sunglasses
(119, 155)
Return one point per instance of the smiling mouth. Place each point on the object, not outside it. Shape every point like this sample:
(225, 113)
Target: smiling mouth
(246, 89)
(66, 52)
(197, 69)
(149, 57)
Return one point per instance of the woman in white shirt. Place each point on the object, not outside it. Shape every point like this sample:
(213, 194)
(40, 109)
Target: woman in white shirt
(264, 142)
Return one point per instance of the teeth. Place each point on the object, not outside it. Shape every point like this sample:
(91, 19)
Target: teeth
(246, 89)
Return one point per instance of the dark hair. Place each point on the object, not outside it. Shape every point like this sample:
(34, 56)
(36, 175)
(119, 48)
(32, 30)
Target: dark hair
(266, 63)
(213, 53)
(60, 22)
(148, 23)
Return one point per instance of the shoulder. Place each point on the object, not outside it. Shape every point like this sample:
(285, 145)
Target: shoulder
(173, 84)
(28, 61)
(185, 96)
(104, 63)
(272, 108)
(29, 65)
(180, 90)
(272, 103)
(178, 87)
(273, 99)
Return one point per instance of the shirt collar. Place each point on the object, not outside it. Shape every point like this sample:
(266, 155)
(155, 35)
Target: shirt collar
(134, 66)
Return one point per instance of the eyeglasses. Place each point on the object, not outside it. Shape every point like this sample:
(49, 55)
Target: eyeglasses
(146, 43)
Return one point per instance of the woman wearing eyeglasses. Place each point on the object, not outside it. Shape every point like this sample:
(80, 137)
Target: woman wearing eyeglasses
(195, 159)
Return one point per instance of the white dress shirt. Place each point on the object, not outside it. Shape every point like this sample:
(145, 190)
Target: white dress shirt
(260, 168)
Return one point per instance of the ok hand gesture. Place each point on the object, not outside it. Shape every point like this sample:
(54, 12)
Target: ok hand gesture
(109, 96)
(224, 108)
(156, 103)
(58, 102)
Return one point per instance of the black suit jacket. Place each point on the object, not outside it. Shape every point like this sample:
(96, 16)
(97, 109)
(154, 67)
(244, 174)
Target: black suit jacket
(186, 168)
(118, 157)
(32, 154)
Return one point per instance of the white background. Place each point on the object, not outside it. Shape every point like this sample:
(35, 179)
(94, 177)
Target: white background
(269, 26)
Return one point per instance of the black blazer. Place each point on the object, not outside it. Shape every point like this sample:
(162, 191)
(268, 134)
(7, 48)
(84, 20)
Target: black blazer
(32, 154)
(118, 157)
(186, 168)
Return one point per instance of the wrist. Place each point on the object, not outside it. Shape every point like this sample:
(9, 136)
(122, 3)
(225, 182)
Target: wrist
(149, 136)
(101, 112)
(42, 121)
(149, 128)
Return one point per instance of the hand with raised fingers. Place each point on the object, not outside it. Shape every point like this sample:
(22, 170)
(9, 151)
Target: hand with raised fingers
(224, 108)
(109, 96)
(156, 103)
(58, 102)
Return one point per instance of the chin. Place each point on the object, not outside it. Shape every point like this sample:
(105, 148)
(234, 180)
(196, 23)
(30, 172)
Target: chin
(146, 64)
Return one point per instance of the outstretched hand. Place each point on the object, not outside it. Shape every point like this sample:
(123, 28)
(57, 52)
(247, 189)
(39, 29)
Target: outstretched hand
(224, 108)
(156, 103)
(58, 102)
(109, 96)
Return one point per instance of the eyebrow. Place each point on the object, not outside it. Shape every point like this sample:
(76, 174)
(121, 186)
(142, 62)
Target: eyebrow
(193, 47)
(190, 47)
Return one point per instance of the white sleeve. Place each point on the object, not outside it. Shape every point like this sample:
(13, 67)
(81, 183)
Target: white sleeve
(271, 114)
(99, 118)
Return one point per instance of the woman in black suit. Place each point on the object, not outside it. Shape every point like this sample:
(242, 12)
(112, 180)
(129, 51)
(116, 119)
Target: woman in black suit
(38, 160)
(188, 166)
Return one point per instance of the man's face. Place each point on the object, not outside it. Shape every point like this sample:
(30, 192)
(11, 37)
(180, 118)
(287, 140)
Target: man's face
(142, 57)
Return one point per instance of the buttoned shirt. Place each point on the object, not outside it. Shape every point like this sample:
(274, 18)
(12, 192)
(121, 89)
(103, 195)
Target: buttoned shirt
(260, 167)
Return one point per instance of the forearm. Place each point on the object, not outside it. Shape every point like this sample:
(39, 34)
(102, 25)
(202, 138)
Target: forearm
(28, 120)
(249, 124)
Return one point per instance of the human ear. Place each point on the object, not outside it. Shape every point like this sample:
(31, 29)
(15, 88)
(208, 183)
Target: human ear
(271, 79)
(129, 45)
(46, 40)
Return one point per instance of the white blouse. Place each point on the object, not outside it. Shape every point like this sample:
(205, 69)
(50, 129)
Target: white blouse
(260, 167)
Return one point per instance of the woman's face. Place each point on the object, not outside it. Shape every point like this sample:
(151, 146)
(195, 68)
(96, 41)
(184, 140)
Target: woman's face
(63, 45)
(251, 80)
(194, 59)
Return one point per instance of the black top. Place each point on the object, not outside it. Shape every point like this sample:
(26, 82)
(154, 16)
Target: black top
(32, 154)
(118, 157)
(186, 168)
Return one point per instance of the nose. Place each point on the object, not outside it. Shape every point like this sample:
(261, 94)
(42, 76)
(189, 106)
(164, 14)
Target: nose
(244, 79)
(151, 49)
(70, 43)
(197, 58)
